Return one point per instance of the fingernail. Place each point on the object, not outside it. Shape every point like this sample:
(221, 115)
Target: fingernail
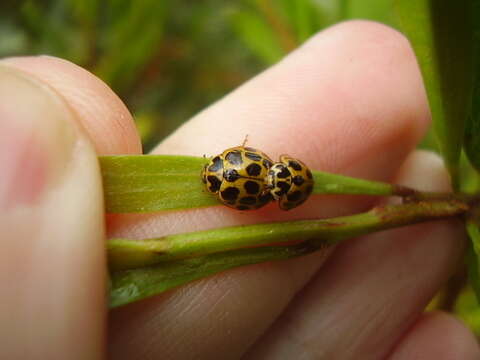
(37, 137)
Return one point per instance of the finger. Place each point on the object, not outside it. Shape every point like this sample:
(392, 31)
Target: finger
(101, 113)
(52, 266)
(371, 290)
(437, 336)
(110, 128)
(331, 104)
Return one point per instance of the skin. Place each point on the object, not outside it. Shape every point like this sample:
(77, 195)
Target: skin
(350, 101)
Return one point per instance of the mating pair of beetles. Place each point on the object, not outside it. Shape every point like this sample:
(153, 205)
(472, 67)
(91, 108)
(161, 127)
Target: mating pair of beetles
(244, 178)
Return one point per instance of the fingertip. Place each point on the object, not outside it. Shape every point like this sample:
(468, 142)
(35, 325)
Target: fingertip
(424, 170)
(367, 33)
(99, 110)
(437, 336)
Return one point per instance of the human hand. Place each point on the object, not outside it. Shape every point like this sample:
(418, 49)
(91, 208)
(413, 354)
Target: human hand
(349, 101)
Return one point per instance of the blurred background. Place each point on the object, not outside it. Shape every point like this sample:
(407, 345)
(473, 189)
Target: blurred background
(169, 59)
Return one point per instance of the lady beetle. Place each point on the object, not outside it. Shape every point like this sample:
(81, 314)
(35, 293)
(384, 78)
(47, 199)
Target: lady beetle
(290, 182)
(237, 177)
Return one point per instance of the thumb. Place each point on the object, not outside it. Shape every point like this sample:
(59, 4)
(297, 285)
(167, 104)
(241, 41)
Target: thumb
(52, 266)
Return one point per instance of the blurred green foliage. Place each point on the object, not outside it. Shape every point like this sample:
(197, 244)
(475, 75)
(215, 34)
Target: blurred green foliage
(169, 59)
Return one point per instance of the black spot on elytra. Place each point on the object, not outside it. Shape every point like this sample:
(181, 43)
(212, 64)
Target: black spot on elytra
(267, 163)
(253, 156)
(217, 164)
(309, 189)
(242, 207)
(298, 180)
(230, 193)
(253, 169)
(284, 173)
(214, 183)
(295, 196)
(248, 200)
(234, 158)
(252, 187)
(295, 165)
(309, 174)
(231, 175)
(265, 198)
(284, 187)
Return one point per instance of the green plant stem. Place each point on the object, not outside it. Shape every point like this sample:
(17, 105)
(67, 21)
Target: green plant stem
(126, 254)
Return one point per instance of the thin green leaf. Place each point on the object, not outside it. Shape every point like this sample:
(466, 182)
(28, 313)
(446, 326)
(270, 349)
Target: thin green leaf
(147, 183)
(470, 183)
(327, 183)
(441, 33)
(467, 309)
(474, 233)
(472, 130)
(133, 285)
(473, 252)
(185, 257)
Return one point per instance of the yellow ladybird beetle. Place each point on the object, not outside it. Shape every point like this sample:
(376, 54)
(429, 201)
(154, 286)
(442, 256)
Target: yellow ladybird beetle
(290, 182)
(245, 179)
(237, 177)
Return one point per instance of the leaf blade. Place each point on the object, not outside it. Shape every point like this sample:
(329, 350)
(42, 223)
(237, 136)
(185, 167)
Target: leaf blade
(149, 183)
(441, 35)
(473, 252)
(472, 130)
(133, 285)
